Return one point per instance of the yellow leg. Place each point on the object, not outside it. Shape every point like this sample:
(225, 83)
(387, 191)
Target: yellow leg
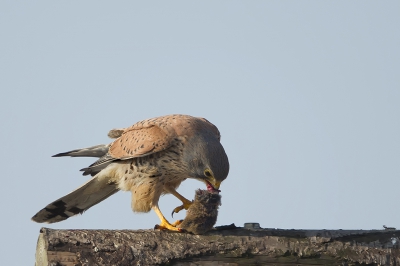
(164, 223)
(185, 201)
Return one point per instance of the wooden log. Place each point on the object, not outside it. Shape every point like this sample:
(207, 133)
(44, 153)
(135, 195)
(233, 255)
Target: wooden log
(223, 246)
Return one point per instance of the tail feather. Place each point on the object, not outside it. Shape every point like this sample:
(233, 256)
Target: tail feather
(94, 151)
(89, 194)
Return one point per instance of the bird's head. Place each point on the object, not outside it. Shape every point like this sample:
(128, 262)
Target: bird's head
(207, 161)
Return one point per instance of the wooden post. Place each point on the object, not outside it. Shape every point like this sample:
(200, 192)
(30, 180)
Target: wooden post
(228, 245)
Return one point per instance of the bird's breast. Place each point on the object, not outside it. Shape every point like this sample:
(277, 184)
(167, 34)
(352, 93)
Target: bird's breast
(165, 168)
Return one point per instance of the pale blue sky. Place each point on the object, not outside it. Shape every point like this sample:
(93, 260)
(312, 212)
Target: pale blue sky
(306, 95)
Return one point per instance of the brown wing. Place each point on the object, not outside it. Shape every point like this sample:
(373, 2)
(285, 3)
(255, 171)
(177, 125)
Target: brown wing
(145, 137)
(157, 134)
(137, 142)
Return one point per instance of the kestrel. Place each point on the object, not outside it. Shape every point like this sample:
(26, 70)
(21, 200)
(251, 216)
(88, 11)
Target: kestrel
(150, 158)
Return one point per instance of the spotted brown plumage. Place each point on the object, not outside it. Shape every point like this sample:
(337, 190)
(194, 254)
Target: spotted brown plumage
(150, 158)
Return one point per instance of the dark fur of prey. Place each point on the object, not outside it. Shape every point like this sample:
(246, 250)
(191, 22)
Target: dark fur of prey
(202, 214)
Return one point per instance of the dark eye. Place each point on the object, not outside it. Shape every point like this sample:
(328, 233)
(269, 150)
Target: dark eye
(207, 173)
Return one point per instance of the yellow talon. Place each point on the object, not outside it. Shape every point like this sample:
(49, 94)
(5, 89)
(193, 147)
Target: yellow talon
(177, 222)
(167, 226)
(164, 223)
(186, 205)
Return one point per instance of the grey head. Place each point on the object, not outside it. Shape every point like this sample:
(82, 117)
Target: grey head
(206, 159)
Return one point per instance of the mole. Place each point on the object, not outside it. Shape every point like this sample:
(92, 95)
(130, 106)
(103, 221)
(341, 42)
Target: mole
(202, 214)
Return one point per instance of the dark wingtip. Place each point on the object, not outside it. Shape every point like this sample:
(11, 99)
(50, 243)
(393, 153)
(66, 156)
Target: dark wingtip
(60, 154)
(86, 171)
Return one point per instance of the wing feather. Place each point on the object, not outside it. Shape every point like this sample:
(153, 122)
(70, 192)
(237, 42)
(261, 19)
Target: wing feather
(140, 141)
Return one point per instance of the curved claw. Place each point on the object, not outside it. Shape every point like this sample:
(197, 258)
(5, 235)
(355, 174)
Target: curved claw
(185, 206)
(176, 210)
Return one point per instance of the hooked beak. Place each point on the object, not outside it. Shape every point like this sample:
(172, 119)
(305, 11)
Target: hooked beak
(213, 186)
(217, 184)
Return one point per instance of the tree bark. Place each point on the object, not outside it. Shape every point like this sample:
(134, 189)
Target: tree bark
(223, 246)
